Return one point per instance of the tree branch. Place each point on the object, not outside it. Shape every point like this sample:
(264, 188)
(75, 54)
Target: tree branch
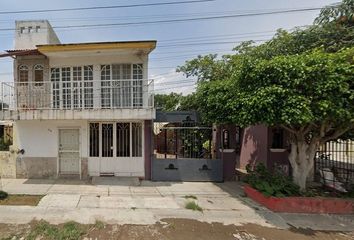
(339, 132)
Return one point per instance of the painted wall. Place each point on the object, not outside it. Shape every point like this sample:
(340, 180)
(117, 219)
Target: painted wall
(39, 138)
(29, 40)
(254, 145)
(229, 156)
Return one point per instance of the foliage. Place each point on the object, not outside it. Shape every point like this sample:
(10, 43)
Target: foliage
(271, 183)
(190, 196)
(69, 231)
(3, 195)
(167, 102)
(301, 81)
(5, 145)
(193, 206)
(175, 101)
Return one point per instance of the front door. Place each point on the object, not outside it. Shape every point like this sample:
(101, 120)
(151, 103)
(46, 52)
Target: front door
(116, 148)
(107, 160)
(69, 151)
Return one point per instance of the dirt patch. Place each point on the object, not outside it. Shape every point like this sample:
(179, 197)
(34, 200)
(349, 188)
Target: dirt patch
(26, 200)
(167, 229)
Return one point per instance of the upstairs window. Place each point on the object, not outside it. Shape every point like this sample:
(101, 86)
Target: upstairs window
(38, 29)
(38, 75)
(30, 29)
(23, 75)
(22, 30)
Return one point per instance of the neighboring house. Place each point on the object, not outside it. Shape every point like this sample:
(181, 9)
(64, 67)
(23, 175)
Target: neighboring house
(83, 109)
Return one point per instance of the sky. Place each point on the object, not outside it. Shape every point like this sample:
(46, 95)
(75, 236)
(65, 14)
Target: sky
(177, 41)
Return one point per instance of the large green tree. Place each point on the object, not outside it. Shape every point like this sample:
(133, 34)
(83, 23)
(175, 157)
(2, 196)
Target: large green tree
(302, 81)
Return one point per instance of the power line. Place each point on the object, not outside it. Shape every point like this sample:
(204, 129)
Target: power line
(106, 7)
(179, 20)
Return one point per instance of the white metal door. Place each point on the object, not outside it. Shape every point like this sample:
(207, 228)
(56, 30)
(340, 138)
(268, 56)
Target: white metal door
(108, 160)
(69, 151)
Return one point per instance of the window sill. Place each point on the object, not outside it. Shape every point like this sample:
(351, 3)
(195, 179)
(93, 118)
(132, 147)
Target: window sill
(227, 150)
(277, 149)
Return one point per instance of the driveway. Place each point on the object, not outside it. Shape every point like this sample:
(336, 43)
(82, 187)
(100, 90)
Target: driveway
(128, 201)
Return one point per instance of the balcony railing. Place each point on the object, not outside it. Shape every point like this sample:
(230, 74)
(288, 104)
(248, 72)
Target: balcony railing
(93, 94)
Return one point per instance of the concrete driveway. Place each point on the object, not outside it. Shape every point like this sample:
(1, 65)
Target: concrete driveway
(128, 201)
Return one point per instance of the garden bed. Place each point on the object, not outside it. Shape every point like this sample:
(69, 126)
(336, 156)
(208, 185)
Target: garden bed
(18, 200)
(301, 204)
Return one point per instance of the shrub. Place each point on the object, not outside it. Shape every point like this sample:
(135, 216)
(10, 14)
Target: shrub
(271, 183)
(193, 206)
(5, 145)
(3, 195)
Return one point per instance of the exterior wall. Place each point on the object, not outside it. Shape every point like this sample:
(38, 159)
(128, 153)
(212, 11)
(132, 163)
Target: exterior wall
(254, 145)
(39, 140)
(278, 157)
(27, 40)
(230, 156)
(148, 148)
(7, 165)
(38, 94)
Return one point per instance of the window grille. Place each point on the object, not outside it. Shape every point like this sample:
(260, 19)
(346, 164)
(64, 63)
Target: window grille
(123, 139)
(94, 140)
(23, 75)
(38, 75)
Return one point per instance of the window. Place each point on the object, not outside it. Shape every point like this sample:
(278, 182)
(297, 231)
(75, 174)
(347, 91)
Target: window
(23, 75)
(278, 138)
(30, 29)
(94, 140)
(55, 79)
(226, 139)
(137, 85)
(137, 139)
(38, 29)
(122, 85)
(123, 139)
(22, 30)
(38, 75)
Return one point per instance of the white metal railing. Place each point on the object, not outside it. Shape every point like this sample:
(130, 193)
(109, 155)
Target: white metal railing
(91, 94)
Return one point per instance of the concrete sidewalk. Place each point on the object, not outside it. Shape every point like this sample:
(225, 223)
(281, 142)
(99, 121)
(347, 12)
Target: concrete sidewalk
(127, 201)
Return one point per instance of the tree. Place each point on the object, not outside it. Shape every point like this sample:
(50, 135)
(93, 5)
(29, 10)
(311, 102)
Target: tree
(309, 95)
(301, 81)
(167, 102)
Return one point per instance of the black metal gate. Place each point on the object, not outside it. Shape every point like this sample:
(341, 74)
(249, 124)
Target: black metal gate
(338, 156)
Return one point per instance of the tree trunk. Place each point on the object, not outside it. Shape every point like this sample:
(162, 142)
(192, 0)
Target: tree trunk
(302, 160)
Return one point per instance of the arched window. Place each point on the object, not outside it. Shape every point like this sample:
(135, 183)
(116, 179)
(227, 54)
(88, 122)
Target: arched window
(38, 75)
(23, 75)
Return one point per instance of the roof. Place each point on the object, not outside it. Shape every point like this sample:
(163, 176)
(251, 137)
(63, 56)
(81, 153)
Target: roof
(20, 52)
(149, 44)
(176, 116)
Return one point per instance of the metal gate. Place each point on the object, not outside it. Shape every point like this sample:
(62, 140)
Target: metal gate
(338, 156)
(184, 152)
(69, 151)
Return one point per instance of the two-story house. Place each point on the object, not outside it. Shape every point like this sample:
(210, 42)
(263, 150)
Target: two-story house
(82, 109)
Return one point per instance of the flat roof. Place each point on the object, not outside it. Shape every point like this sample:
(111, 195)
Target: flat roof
(148, 44)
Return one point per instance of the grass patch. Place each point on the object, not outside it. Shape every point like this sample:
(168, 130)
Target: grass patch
(27, 200)
(193, 206)
(99, 224)
(67, 231)
(190, 197)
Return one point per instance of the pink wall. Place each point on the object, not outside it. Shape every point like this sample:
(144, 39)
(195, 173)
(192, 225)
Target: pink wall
(254, 145)
(148, 149)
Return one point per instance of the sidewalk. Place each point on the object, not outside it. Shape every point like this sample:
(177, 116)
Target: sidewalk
(129, 202)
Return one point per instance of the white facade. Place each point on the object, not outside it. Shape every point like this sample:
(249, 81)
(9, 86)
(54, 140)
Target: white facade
(32, 33)
(78, 108)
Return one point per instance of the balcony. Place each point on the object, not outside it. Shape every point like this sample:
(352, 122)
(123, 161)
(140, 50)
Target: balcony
(94, 99)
